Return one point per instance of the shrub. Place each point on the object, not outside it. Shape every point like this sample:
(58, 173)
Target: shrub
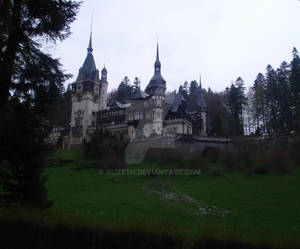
(228, 159)
(216, 171)
(196, 161)
(294, 149)
(212, 154)
(164, 156)
(102, 143)
(261, 170)
(280, 160)
(112, 161)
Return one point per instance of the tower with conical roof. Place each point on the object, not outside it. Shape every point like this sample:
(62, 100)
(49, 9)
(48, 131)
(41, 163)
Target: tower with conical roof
(156, 90)
(157, 84)
(89, 96)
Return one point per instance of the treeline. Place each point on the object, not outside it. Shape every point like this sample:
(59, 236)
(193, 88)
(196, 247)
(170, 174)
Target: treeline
(274, 99)
(269, 107)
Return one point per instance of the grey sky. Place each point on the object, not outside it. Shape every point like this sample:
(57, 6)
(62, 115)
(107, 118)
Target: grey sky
(218, 39)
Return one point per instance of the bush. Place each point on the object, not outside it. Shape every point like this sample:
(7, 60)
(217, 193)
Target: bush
(228, 159)
(102, 143)
(212, 154)
(112, 161)
(294, 149)
(261, 170)
(280, 160)
(196, 161)
(164, 156)
(216, 171)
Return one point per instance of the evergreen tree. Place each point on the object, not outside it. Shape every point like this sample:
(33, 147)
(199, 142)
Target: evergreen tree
(295, 89)
(29, 81)
(271, 100)
(259, 106)
(193, 87)
(125, 90)
(235, 96)
(284, 99)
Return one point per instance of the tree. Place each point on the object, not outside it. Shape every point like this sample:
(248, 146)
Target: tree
(125, 90)
(112, 97)
(295, 88)
(271, 99)
(236, 100)
(22, 157)
(284, 99)
(136, 83)
(218, 117)
(259, 105)
(29, 81)
(26, 71)
(193, 87)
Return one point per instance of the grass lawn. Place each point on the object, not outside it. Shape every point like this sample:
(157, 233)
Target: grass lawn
(261, 207)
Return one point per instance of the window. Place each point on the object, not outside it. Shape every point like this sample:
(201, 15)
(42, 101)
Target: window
(77, 122)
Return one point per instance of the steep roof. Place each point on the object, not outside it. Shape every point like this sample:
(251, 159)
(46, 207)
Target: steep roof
(89, 67)
(177, 102)
(139, 94)
(196, 101)
(157, 80)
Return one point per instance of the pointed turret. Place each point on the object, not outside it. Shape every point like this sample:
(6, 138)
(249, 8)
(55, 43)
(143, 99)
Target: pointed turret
(104, 75)
(157, 64)
(157, 80)
(90, 48)
(89, 67)
(200, 100)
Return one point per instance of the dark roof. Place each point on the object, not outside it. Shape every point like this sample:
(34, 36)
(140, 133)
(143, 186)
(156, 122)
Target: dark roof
(89, 67)
(177, 102)
(200, 100)
(104, 70)
(139, 94)
(157, 80)
(196, 102)
(170, 98)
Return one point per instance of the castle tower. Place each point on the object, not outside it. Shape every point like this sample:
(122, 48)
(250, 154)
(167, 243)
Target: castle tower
(156, 89)
(103, 90)
(86, 98)
(201, 103)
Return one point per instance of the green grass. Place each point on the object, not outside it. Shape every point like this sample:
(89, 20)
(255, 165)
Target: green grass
(263, 207)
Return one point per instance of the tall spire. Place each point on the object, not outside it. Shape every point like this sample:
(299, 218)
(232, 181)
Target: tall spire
(157, 53)
(200, 82)
(90, 49)
(157, 81)
(157, 64)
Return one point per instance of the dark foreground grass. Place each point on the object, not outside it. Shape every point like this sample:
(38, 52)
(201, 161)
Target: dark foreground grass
(28, 229)
(264, 209)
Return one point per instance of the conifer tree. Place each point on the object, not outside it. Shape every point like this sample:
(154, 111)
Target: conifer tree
(29, 80)
(295, 89)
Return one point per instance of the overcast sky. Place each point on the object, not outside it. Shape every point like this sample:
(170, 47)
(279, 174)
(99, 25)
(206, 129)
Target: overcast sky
(219, 39)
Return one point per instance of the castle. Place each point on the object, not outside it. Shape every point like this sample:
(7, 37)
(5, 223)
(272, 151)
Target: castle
(146, 114)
